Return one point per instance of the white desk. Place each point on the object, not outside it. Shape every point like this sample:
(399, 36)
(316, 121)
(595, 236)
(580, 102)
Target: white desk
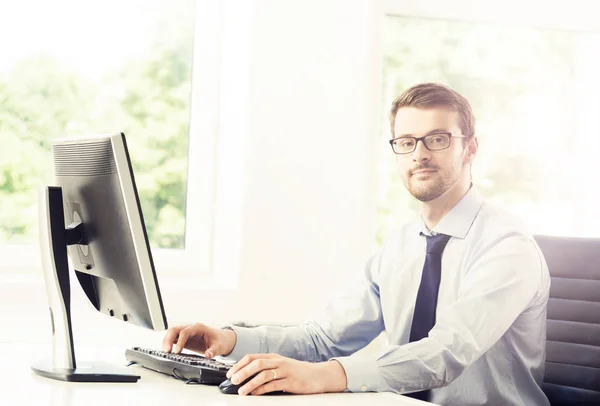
(20, 386)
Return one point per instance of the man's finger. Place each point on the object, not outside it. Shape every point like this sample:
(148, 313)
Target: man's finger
(263, 377)
(213, 350)
(272, 386)
(183, 337)
(247, 359)
(170, 338)
(257, 366)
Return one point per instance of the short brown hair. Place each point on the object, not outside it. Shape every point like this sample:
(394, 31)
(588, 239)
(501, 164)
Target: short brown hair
(430, 95)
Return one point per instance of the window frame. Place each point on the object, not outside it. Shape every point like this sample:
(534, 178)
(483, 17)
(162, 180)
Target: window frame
(195, 260)
(573, 15)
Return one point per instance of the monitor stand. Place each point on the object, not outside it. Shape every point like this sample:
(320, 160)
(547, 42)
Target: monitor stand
(54, 239)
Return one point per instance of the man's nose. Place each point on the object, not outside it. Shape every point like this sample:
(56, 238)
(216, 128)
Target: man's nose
(421, 153)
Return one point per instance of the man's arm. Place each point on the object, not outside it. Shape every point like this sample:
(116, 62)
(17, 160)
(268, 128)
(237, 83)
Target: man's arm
(498, 287)
(349, 323)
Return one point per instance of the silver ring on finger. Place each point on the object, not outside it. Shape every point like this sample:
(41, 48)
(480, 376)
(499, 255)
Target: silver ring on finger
(274, 374)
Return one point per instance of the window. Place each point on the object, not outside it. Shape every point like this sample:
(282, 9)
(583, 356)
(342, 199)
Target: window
(80, 67)
(535, 93)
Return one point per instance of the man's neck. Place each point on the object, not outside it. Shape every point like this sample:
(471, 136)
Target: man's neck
(433, 211)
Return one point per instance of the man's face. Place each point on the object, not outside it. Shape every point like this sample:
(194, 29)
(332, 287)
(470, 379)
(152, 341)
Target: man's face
(429, 174)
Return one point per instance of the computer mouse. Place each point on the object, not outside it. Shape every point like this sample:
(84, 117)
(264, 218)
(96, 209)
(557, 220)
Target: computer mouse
(227, 387)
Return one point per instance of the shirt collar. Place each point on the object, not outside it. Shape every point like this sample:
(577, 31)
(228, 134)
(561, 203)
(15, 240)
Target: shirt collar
(459, 219)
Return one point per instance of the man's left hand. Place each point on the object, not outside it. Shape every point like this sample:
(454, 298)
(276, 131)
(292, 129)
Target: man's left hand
(277, 373)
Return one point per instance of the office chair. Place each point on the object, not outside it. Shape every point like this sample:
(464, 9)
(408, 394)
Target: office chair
(572, 375)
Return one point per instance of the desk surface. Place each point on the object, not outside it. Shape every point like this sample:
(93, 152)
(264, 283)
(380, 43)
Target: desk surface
(20, 386)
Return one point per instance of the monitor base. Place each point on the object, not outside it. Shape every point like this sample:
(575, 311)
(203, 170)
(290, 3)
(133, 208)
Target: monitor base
(85, 372)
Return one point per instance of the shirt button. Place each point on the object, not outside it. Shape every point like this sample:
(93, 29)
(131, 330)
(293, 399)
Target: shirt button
(363, 388)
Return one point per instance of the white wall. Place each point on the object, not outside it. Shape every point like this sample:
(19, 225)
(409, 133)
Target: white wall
(296, 175)
(309, 203)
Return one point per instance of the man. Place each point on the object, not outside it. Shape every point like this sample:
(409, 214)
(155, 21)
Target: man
(462, 293)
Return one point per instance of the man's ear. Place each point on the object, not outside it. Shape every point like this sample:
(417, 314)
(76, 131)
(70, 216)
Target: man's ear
(471, 150)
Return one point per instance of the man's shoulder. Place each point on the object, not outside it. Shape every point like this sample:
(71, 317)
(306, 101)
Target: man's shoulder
(494, 221)
(496, 231)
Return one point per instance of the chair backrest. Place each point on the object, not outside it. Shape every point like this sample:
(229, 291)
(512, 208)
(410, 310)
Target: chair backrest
(572, 374)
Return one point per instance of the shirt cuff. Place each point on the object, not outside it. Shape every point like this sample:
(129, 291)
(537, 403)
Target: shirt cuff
(362, 373)
(248, 341)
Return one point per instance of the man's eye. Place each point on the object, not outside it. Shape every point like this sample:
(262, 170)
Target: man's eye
(405, 143)
(438, 140)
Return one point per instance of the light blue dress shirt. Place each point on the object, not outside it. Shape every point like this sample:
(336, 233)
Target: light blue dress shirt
(488, 344)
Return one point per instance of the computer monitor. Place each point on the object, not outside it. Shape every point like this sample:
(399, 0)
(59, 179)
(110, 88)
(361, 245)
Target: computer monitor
(94, 214)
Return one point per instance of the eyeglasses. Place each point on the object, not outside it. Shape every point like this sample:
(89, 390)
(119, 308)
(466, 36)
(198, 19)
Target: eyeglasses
(433, 142)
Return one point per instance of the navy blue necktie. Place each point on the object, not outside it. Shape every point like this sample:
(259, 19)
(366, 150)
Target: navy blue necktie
(424, 316)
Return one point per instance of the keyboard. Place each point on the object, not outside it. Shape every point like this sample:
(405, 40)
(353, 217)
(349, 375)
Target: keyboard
(191, 368)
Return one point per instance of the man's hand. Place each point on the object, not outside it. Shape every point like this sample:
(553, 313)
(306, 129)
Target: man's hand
(200, 338)
(277, 373)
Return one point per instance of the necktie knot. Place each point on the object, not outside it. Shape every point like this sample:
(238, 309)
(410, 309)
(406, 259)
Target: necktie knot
(436, 243)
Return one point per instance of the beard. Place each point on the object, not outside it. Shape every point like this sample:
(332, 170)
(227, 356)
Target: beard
(434, 186)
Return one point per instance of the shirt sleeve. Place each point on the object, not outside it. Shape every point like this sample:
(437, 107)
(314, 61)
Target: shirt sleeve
(349, 322)
(498, 286)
